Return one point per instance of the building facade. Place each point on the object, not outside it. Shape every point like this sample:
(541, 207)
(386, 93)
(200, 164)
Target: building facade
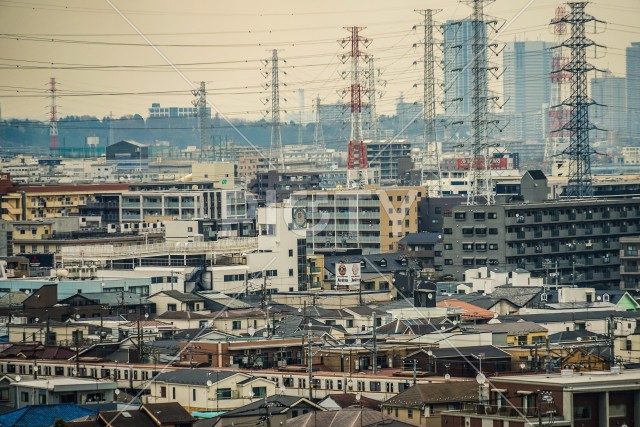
(527, 87)
(370, 220)
(576, 240)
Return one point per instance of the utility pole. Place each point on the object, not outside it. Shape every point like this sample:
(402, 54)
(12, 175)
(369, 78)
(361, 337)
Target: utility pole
(201, 111)
(310, 362)
(612, 339)
(77, 352)
(548, 357)
(375, 346)
(415, 371)
(276, 151)
(263, 298)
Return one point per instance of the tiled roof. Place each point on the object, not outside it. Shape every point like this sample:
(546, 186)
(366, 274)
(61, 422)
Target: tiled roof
(168, 413)
(519, 295)
(425, 394)
(350, 417)
(470, 311)
(193, 376)
(344, 400)
(279, 404)
(512, 328)
(126, 418)
(181, 296)
(43, 415)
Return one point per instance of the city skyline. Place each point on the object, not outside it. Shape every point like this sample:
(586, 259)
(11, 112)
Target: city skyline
(108, 58)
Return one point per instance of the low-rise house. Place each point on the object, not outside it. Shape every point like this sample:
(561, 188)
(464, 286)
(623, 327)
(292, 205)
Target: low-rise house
(206, 390)
(173, 300)
(517, 333)
(340, 401)
(461, 361)
(63, 390)
(149, 415)
(422, 404)
(184, 319)
(277, 409)
(350, 417)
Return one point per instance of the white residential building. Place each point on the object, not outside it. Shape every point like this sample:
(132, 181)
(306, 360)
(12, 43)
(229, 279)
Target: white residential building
(279, 264)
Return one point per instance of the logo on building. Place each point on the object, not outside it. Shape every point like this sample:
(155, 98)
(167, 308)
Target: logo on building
(300, 217)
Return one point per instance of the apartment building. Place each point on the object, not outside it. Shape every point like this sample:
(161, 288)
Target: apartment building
(371, 220)
(576, 242)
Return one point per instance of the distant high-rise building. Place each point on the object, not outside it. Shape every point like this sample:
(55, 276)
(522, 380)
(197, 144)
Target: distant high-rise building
(611, 115)
(633, 89)
(458, 72)
(527, 87)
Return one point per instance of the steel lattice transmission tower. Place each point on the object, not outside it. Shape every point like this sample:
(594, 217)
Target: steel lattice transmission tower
(357, 173)
(276, 151)
(318, 136)
(579, 151)
(480, 182)
(430, 151)
(558, 115)
(200, 103)
(54, 145)
(373, 115)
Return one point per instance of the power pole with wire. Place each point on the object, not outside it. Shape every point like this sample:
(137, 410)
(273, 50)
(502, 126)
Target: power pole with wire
(276, 151)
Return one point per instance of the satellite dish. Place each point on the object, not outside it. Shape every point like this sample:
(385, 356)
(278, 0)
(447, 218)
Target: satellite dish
(117, 391)
(18, 378)
(480, 378)
(209, 383)
(447, 376)
(251, 331)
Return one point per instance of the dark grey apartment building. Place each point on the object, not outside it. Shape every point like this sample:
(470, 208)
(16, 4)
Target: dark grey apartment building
(572, 242)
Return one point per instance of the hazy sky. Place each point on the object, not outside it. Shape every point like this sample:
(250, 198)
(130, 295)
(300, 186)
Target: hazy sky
(102, 64)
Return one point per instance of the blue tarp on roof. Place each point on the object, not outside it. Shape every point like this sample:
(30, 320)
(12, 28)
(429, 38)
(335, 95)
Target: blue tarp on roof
(43, 415)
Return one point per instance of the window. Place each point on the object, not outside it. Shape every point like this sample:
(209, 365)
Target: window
(173, 393)
(259, 391)
(409, 413)
(448, 262)
(582, 413)
(290, 252)
(375, 386)
(481, 247)
(24, 396)
(492, 215)
(193, 396)
(493, 246)
(291, 272)
(617, 410)
(447, 231)
(467, 231)
(448, 246)
(189, 229)
(460, 216)
(493, 231)
(467, 247)
(171, 307)
(467, 261)
(236, 324)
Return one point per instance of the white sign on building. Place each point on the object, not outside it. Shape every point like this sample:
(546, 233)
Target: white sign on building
(347, 276)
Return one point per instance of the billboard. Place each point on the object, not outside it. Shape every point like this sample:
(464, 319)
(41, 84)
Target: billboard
(39, 260)
(347, 275)
(494, 163)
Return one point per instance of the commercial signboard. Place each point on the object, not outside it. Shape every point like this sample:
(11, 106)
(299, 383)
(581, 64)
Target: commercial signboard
(347, 275)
